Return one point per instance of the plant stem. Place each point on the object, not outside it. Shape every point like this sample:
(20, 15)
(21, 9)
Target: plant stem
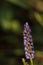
(31, 61)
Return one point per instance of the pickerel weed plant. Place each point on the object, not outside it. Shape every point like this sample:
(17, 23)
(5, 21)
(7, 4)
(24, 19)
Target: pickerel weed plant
(28, 43)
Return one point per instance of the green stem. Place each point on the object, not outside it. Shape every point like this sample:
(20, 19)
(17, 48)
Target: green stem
(31, 61)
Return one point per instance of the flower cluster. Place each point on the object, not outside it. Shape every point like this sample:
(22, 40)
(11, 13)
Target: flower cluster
(28, 43)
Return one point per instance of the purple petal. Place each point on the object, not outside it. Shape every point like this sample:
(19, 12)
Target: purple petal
(26, 53)
(32, 43)
(32, 55)
(24, 37)
(25, 49)
(25, 41)
(27, 57)
(31, 47)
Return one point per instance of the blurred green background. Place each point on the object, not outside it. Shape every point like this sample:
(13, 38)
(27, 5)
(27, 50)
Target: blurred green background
(13, 15)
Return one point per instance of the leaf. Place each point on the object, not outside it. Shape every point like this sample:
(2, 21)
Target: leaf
(19, 3)
(39, 18)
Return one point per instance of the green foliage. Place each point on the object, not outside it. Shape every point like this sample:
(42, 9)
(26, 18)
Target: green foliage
(6, 12)
(19, 3)
(39, 17)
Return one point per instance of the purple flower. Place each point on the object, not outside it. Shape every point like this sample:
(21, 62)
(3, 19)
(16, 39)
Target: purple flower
(28, 42)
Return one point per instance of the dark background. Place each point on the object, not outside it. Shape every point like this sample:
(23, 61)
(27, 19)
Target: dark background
(12, 18)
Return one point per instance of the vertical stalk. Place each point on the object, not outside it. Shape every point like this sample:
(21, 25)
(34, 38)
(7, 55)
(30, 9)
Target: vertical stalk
(23, 60)
(31, 61)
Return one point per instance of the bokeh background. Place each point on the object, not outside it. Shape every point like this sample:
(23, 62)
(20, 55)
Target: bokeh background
(13, 15)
